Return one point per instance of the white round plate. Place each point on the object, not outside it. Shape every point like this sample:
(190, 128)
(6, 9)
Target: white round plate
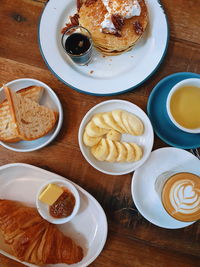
(145, 140)
(143, 191)
(103, 75)
(88, 228)
(48, 99)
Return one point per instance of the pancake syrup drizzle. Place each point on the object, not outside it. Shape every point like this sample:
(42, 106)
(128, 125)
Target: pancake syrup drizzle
(77, 44)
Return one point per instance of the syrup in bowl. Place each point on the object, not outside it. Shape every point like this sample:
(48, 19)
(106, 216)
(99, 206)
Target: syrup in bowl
(77, 43)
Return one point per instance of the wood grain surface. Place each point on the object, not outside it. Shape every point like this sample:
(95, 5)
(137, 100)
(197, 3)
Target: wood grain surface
(132, 240)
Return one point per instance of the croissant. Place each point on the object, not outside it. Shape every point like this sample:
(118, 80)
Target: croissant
(33, 239)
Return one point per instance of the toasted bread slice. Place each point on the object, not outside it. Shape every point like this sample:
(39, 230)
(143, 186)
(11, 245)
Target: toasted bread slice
(7, 132)
(30, 119)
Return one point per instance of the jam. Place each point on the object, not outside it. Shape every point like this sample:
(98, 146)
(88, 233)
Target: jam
(64, 205)
(77, 44)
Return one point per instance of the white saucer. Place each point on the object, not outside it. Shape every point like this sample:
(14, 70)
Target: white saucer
(104, 75)
(49, 99)
(144, 195)
(145, 140)
(88, 228)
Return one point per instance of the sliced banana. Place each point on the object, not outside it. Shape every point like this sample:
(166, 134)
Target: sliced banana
(122, 152)
(103, 134)
(108, 118)
(90, 141)
(100, 151)
(130, 152)
(95, 131)
(132, 123)
(113, 135)
(135, 124)
(112, 154)
(99, 121)
(125, 122)
(138, 151)
(117, 115)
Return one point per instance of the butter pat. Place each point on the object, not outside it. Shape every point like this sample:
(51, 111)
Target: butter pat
(50, 194)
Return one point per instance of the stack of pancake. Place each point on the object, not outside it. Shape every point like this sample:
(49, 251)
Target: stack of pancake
(92, 15)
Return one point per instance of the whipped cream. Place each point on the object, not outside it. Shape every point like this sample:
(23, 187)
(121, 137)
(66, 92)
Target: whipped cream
(124, 8)
(107, 23)
(184, 197)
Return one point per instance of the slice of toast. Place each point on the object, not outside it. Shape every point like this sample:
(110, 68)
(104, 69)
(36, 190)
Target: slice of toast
(7, 128)
(30, 120)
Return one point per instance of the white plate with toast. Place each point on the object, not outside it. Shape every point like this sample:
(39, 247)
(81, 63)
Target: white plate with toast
(108, 75)
(145, 140)
(36, 91)
(88, 228)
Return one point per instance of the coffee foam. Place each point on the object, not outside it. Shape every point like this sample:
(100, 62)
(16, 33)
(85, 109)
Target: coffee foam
(181, 196)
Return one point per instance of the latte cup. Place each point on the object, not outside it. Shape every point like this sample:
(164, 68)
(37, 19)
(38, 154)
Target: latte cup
(180, 195)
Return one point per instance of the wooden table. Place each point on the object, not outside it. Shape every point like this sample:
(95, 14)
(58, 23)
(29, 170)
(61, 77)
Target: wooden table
(132, 240)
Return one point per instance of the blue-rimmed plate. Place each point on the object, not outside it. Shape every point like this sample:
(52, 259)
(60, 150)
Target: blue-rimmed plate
(160, 120)
(104, 75)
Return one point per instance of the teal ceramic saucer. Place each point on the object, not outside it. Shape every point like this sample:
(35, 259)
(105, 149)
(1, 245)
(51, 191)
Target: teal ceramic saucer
(157, 112)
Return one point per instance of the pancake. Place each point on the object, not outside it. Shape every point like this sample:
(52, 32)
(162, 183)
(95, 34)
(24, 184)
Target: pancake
(91, 16)
(114, 52)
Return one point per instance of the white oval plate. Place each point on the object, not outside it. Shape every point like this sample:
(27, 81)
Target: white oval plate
(144, 195)
(145, 140)
(111, 75)
(88, 228)
(50, 100)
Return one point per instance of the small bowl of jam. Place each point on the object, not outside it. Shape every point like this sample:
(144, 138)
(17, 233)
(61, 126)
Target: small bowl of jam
(58, 201)
(77, 43)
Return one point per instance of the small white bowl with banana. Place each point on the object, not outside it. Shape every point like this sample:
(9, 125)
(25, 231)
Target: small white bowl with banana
(116, 137)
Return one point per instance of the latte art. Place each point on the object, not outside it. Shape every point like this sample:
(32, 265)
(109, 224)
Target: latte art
(181, 196)
(184, 197)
